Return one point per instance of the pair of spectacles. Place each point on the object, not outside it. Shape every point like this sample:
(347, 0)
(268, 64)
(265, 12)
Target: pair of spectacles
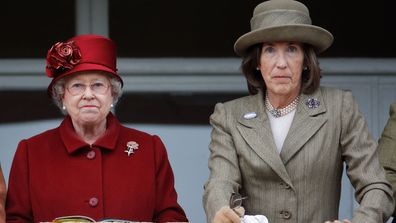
(73, 218)
(96, 87)
(81, 218)
(236, 200)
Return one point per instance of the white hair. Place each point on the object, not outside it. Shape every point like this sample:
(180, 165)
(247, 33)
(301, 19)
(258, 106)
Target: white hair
(58, 91)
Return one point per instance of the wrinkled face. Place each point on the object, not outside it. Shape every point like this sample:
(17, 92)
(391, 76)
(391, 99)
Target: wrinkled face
(88, 97)
(281, 65)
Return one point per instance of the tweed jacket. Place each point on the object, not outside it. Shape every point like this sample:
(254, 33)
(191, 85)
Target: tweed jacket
(387, 149)
(302, 184)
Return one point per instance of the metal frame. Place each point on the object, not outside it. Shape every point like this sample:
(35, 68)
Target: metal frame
(167, 74)
(181, 74)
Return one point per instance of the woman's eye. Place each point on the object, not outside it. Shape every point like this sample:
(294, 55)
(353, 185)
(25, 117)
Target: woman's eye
(269, 50)
(292, 49)
(98, 84)
(76, 85)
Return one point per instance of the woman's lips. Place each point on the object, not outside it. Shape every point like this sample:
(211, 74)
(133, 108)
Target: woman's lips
(281, 79)
(89, 106)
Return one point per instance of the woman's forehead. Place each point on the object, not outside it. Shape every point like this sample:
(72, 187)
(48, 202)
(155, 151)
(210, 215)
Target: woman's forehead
(87, 76)
(282, 43)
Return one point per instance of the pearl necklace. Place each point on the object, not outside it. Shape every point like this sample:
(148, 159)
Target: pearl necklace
(282, 111)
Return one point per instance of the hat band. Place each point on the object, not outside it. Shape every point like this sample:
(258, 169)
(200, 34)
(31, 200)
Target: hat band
(279, 18)
(110, 67)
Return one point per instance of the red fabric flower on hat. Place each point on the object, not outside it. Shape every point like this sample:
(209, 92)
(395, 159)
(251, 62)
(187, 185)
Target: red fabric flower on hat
(61, 57)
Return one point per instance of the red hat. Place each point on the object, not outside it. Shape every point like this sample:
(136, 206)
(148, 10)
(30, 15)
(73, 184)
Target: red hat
(81, 53)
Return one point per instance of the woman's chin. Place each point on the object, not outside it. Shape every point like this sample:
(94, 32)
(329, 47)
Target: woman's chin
(89, 118)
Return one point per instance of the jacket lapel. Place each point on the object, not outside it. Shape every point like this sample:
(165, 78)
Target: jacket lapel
(257, 133)
(306, 123)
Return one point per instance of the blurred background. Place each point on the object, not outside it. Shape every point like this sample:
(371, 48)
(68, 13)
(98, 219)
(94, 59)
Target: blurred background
(176, 58)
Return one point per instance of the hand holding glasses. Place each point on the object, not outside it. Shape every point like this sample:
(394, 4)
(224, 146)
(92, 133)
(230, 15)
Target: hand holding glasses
(236, 202)
(233, 212)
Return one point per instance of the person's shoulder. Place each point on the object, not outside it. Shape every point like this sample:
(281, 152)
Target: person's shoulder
(335, 95)
(332, 90)
(393, 106)
(41, 141)
(338, 100)
(125, 130)
(48, 134)
(237, 106)
(242, 101)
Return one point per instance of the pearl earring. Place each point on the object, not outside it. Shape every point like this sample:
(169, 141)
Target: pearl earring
(257, 68)
(111, 105)
(64, 107)
(305, 68)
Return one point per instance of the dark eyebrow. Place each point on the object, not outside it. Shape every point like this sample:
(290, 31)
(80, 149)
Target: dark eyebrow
(295, 43)
(268, 44)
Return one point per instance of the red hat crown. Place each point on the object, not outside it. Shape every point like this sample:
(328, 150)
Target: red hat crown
(81, 53)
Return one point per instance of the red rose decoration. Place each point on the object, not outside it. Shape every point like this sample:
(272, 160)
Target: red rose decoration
(62, 57)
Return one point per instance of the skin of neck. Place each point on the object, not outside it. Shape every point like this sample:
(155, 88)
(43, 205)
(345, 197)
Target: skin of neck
(279, 101)
(89, 133)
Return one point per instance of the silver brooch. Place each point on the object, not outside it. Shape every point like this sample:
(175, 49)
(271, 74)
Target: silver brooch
(313, 103)
(250, 115)
(131, 147)
(276, 113)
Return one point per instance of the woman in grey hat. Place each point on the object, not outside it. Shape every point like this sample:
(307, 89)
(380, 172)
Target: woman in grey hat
(283, 147)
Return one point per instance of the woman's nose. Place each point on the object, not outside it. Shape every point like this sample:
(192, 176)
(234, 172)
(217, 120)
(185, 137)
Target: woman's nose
(281, 61)
(88, 93)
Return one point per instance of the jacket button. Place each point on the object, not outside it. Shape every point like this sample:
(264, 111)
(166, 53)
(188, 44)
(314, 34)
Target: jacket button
(91, 155)
(285, 214)
(93, 202)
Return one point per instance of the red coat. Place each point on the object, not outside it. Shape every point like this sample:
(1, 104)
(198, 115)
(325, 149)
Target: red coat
(56, 174)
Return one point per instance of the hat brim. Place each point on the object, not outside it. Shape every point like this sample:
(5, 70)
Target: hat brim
(80, 68)
(318, 37)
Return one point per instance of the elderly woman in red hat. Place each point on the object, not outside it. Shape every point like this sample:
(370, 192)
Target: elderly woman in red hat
(283, 147)
(90, 165)
(2, 196)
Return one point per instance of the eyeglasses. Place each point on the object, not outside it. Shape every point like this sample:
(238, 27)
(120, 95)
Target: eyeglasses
(236, 200)
(79, 88)
(73, 218)
(81, 218)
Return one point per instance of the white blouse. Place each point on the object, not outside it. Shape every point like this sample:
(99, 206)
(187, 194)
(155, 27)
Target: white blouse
(280, 127)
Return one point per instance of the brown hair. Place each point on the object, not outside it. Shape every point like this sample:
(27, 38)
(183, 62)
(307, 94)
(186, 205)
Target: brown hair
(310, 76)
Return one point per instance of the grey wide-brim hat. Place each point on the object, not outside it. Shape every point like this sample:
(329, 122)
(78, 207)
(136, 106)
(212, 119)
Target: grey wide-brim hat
(283, 20)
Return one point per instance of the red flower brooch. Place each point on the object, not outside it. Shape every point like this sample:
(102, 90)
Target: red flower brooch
(61, 57)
